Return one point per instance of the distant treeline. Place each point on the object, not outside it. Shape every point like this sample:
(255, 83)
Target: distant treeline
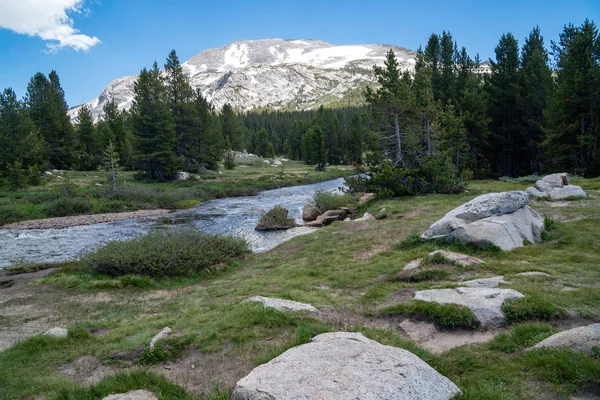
(535, 112)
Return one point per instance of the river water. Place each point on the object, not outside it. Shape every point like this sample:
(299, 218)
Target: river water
(229, 216)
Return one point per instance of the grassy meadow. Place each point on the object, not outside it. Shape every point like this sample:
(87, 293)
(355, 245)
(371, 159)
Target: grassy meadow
(348, 270)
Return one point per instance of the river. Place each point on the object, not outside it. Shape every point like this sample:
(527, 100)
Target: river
(229, 216)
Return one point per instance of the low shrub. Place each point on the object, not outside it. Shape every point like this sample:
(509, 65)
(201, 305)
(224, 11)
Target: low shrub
(326, 201)
(530, 307)
(66, 206)
(412, 241)
(427, 275)
(165, 350)
(165, 253)
(521, 179)
(445, 315)
(521, 336)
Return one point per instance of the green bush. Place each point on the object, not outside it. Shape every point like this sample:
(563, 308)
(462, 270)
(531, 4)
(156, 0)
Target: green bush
(326, 201)
(528, 308)
(165, 253)
(165, 350)
(229, 161)
(65, 206)
(521, 179)
(445, 315)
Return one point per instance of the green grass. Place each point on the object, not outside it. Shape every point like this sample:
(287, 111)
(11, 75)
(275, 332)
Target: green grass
(445, 315)
(427, 275)
(532, 307)
(344, 267)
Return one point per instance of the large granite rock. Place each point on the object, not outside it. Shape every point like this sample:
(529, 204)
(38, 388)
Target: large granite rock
(310, 212)
(484, 303)
(502, 219)
(344, 365)
(555, 187)
(584, 339)
(280, 304)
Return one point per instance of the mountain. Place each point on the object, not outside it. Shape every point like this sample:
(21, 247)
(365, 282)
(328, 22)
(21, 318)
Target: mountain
(275, 73)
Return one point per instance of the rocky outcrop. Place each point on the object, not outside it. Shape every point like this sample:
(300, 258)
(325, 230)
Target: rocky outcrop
(275, 220)
(311, 211)
(133, 395)
(484, 303)
(584, 339)
(555, 187)
(344, 365)
(280, 304)
(501, 219)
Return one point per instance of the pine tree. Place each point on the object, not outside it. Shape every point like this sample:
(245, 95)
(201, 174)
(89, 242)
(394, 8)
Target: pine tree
(536, 87)
(504, 92)
(19, 138)
(263, 145)
(447, 77)
(209, 133)
(231, 127)
(573, 139)
(181, 104)
(356, 133)
(111, 165)
(425, 104)
(152, 124)
(432, 56)
(313, 143)
(115, 120)
(48, 110)
(391, 103)
(90, 153)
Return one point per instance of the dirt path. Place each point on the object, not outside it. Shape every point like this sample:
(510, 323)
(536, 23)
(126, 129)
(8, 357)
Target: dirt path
(67, 222)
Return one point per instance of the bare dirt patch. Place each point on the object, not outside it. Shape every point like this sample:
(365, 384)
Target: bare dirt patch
(87, 370)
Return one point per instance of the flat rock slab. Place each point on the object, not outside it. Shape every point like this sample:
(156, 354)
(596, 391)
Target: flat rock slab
(584, 339)
(281, 305)
(456, 258)
(532, 273)
(344, 365)
(484, 303)
(486, 282)
(414, 264)
(133, 395)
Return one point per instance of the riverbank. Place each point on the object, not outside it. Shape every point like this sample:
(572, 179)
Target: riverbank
(347, 271)
(75, 193)
(80, 220)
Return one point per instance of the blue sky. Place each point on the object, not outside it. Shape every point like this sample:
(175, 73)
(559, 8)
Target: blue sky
(92, 42)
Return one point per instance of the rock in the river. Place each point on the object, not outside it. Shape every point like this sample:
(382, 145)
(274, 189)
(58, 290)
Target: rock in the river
(456, 258)
(159, 336)
(555, 187)
(486, 282)
(501, 219)
(280, 304)
(366, 217)
(275, 220)
(584, 339)
(57, 332)
(484, 303)
(310, 212)
(344, 365)
(132, 395)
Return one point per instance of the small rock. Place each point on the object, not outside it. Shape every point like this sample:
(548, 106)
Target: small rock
(281, 305)
(277, 162)
(348, 219)
(584, 339)
(486, 282)
(484, 303)
(366, 217)
(266, 161)
(97, 184)
(341, 366)
(532, 273)
(456, 258)
(366, 197)
(315, 224)
(159, 336)
(48, 173)
(57, 332)
(132, 395)
(414, 264)
(382, 214)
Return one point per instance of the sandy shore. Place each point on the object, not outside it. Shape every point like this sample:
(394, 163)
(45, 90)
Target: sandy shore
(67, 222)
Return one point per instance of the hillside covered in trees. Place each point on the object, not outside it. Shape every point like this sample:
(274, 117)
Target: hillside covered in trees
(537, 111)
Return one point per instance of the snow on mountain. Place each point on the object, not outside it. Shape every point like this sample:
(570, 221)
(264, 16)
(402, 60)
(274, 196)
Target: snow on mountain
(276, 73)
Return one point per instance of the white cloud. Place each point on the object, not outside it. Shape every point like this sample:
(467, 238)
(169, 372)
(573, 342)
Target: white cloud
(48, 20)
